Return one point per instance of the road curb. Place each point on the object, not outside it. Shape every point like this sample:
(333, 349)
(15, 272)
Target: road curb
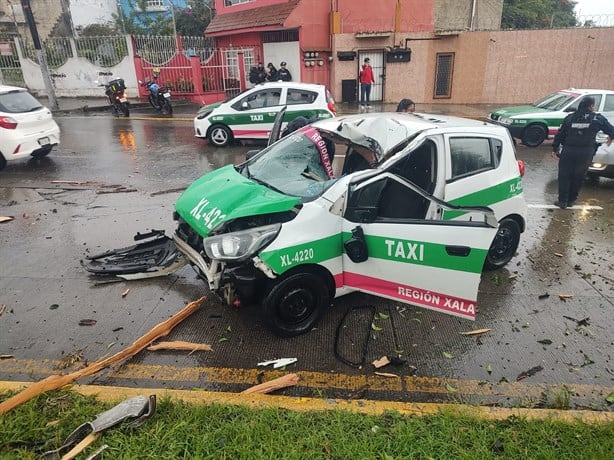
(303, 404)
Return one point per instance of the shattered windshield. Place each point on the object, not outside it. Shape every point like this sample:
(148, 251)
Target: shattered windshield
(555, 101)
(299, 164)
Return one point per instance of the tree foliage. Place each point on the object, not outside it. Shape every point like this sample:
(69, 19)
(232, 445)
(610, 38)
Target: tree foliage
(538, 14)
(190, 21)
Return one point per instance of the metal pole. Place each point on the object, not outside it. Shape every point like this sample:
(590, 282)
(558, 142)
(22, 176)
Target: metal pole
(40, 54)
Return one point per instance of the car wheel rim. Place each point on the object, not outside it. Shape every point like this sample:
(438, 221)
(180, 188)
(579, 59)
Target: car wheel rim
(219, 136)
(502, 246)
(296, 305)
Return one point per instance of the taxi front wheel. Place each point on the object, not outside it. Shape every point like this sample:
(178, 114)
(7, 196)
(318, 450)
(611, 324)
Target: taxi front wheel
(504, 245)
(220, 135)
(534, 135)
(295, 303)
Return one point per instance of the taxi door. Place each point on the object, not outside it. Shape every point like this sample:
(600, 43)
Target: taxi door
(392, 251)
(256, 113)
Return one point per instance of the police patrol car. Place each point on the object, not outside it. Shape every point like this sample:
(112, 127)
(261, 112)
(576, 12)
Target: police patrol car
(409, 207)
(535, 123)
(251, 114)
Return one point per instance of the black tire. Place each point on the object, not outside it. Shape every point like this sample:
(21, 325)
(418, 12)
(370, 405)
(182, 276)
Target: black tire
(504, 245)
(153, 100)
(219, 135)
(167, 108)
(2, 162)
(295, 303)
(534, 135)
(42, 152)
(125, 108)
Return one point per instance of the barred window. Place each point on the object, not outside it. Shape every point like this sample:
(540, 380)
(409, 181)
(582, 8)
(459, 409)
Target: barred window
(443, 75)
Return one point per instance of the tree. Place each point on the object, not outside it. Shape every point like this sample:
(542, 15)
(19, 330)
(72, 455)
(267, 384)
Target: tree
(538, 14)
(192, 21)
(140, 22)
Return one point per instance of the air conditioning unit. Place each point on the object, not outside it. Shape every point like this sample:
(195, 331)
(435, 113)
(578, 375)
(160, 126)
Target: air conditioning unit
(398, 55)
(346, 55)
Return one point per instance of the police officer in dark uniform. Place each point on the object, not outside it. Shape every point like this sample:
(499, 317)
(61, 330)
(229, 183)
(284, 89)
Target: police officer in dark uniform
(577, 136)
(284, 74)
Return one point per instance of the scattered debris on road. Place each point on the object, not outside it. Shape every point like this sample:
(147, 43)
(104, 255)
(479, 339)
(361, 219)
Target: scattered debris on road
(54, 382)
(277, 363)
(383, 361)
(6, 219)
(180, 345)
(529, 373)
(476, 332)
(285, 381)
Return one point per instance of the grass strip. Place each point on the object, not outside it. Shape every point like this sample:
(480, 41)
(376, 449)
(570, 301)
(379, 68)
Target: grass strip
(218, 431)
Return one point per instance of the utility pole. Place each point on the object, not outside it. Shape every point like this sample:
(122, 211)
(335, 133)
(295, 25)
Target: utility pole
(40, 54)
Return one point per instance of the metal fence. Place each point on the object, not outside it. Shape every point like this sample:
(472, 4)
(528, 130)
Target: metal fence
(10, 67)
(170, 58)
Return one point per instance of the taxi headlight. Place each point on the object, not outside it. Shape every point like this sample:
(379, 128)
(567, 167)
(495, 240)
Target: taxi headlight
(240, 245)
(203, 114)
(596, 165)
(506, 121)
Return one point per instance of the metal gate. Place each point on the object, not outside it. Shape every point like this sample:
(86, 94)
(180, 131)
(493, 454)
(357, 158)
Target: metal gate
(10, 68)
(379, 72)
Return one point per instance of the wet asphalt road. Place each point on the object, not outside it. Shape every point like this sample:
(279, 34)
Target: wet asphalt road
(127, 173)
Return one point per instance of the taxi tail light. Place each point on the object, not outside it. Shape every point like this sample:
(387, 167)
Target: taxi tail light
(8, 123)
(521, 167)
(332, 108)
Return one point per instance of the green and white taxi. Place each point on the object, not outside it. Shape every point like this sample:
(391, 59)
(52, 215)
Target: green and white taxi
(409, 207)
(535, 123)
(251, 114)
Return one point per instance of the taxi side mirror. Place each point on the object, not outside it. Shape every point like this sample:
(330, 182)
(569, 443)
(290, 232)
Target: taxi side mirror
(356, 247)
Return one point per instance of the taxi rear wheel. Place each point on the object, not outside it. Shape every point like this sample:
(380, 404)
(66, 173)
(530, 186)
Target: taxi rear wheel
(2, 162)
(220, 135)
(534, 135)
(504, 245)
(294, 304)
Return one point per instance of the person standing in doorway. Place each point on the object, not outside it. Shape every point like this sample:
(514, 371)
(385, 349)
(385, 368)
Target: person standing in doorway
(271, 72)
(366, 81)
(577, 136)
(283, 73)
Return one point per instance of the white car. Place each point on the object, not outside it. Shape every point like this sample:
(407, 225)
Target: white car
(603, 161)
(251, 114)
(27, 128)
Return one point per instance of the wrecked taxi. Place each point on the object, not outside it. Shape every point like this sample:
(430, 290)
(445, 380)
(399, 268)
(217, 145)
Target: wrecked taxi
(409, 207)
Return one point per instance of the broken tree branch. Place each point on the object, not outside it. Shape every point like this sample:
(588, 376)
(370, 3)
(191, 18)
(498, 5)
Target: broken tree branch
(287, 380)
(53, 382)
(180, 345)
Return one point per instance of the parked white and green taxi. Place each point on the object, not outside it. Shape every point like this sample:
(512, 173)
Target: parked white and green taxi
(535, 123)
(251, 114)
(409, 207)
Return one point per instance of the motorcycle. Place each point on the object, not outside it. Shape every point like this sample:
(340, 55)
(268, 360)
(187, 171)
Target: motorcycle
(116, 92)
(159, 96)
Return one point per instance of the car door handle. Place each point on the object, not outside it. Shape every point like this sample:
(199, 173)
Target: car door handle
(462, 251)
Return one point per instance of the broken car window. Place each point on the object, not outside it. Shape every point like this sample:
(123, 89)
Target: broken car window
(300, 164)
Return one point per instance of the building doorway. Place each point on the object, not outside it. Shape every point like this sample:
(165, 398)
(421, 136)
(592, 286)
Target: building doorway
(379, 72)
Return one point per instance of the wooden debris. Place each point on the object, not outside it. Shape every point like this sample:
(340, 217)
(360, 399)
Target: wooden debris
(172, 190)
(116, 190)
(6, 356)
(287, 380)
(2, 309)
(558, 254)
(87, 322)
(75, 182)
(53, 382)
(180, 345)
(383, 361)
(6, 219)
(125, 293)
(565, 296)
(52, 423)
(85, 442)
(386, 374)
(476, 331)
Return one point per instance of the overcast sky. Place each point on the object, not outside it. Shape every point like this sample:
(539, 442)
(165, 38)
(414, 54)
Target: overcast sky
(590, 7)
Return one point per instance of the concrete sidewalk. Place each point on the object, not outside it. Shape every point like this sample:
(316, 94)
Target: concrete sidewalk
(75, 105)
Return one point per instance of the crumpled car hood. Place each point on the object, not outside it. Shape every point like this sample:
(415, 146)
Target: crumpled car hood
(224, 195)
